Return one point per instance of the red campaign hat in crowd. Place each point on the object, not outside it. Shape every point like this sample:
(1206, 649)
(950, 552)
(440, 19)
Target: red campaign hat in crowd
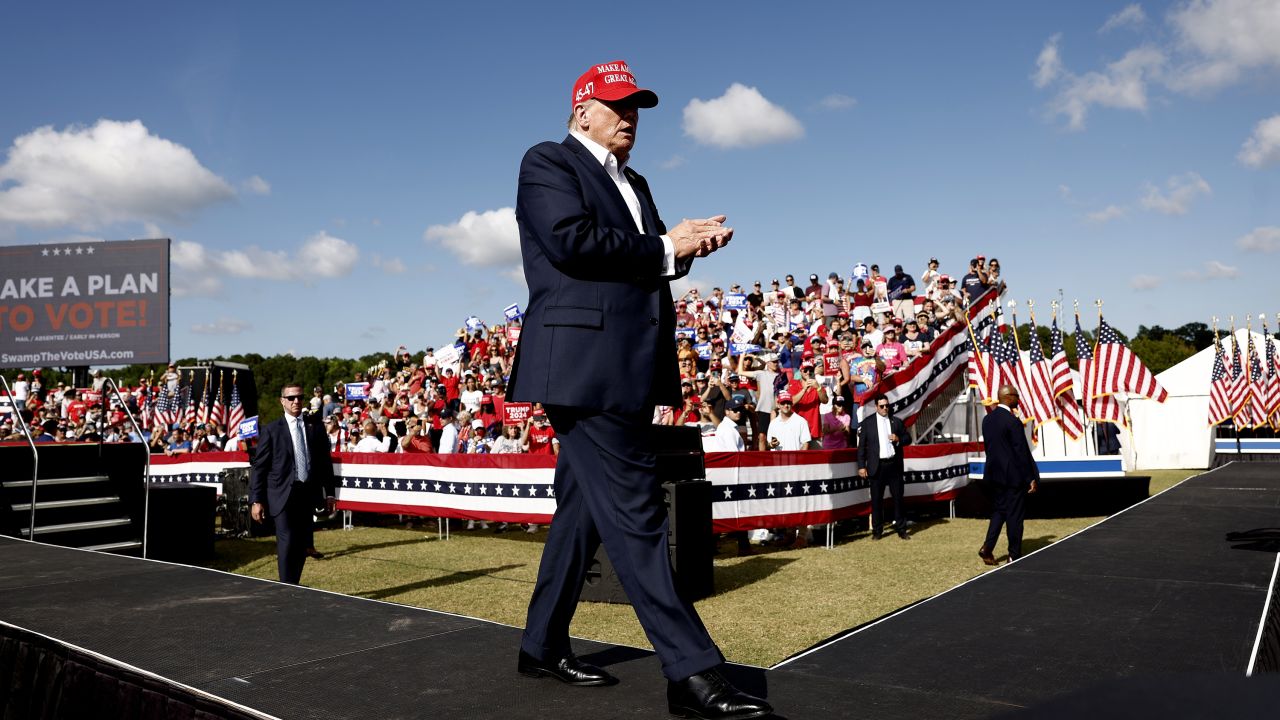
(784, 396)
(717, 341)
(806, 364)
(539, 412)
(21, 376)
(806, 354)
(842, 314)
(611, 81)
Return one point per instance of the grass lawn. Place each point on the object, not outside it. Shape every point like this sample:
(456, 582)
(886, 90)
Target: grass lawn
(767, 606)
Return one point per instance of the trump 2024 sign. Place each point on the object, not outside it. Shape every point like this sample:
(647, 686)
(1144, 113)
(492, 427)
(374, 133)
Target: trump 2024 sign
(84, 303)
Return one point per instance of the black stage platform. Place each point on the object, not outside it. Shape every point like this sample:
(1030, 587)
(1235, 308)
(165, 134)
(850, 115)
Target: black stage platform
(1150, 613)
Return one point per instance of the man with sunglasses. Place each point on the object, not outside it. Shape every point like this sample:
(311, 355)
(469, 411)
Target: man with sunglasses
(292, 477)
(881, 438)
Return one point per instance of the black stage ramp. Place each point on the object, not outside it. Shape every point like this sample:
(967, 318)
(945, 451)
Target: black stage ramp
(1152, 598)
(295, 652)
(1092, 626)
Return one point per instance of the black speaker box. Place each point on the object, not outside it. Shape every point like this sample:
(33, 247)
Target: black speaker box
(690, 548)
(180, 519)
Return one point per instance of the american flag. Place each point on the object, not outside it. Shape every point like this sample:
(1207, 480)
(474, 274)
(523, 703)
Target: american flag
(186, 405)
(1010, 366)
(1256, 390)
(1105, 408)
(236, 410)
(1219, 387)
(1272, 395)
(983, 372)
(1063, 388)
(1237, 391)
(1120, 370)
(166, 408)
(215, 410)
(1040, 385)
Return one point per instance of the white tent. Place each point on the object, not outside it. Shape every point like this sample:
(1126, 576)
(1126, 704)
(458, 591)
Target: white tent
(1176, 433)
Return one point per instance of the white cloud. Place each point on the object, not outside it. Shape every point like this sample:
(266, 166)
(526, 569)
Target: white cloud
(1144, 282)
(491, 237)
(838, 101)
(1261, 239)
(221, 326)
(1122, 85)
(672, 162)
(1182, 190)
(683, 285)
(89, 177)
(1212, 270)
(1218, 269)
(1222, 39)
(1132, 15)
(390, 266)
(198, 271)
(256, 186)
(1107, 214)
(1049, 63)
(1064, 192)
(742, 117)
(1263, 147)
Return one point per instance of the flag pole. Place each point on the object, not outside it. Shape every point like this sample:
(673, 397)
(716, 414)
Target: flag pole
(973, 338)
(1089, 425)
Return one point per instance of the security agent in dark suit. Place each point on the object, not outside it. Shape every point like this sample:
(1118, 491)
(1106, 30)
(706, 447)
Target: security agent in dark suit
(292, 477)
(1010, 474)
(597, 348)
(881, 438)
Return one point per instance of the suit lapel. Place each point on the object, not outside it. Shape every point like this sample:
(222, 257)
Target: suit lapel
(647, 216)
(605, 184)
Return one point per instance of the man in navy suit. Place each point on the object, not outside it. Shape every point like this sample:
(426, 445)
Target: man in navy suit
(597, 349)
(881, 438)
(292, 477)
(1010, 473)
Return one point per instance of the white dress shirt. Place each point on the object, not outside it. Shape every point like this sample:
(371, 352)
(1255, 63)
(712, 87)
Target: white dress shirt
(884, 428)
(295, 430)
(616, 173)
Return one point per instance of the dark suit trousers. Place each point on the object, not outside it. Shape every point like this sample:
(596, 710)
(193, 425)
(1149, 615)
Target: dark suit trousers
(1008, 508)
(607, 491)
(294, 533)
(888, 473)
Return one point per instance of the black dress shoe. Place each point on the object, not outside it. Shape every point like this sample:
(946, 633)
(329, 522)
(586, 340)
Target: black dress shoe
(568, 670)
(986, 555)
(709, 696)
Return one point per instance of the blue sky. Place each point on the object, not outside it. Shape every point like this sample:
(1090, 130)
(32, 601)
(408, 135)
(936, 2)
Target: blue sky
(357, 163)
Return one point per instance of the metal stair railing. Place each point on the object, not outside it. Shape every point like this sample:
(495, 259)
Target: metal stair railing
(35, 457)
(146, 476)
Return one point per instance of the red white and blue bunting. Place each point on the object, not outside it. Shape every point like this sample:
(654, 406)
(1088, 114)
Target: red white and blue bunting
(750, 489)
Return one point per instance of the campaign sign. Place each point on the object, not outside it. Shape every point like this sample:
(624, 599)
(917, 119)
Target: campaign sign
(703, 350)
(735, 301)
(832, 362)
(516, 413)
(249, 428)
(861, 272)
(743, 348)
(448, 356)
(474, 323)
(881, 307)
(685, 333)
(84, 303)
(89, 395)
(357, 391)
(513, 334)
(512, 312)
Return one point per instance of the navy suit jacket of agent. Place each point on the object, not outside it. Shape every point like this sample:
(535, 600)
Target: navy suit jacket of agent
(599, 329)
(273, 466)
(1009, 462)
(869, 441)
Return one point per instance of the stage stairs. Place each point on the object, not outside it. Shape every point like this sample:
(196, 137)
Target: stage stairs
(87, 495)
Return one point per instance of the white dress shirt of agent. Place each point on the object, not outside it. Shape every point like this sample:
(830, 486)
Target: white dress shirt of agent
(788, 431)
(449, 435)
(727, 437)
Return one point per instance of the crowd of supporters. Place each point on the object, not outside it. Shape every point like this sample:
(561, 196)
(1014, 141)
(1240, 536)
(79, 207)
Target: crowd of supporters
(784, 367)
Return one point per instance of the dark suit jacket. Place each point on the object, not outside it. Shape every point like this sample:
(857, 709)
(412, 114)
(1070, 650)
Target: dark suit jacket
(271, 479)
(1009, 462)
(869, 441)
(599, 328)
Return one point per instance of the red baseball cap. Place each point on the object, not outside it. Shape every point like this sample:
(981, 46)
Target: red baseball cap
(539, 412)
(784, 396)
(610, 81)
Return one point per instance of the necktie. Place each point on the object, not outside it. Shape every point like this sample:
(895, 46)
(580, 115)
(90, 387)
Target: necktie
(299, 451)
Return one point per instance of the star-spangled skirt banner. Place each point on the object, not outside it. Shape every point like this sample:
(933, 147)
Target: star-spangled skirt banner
(750, 489)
